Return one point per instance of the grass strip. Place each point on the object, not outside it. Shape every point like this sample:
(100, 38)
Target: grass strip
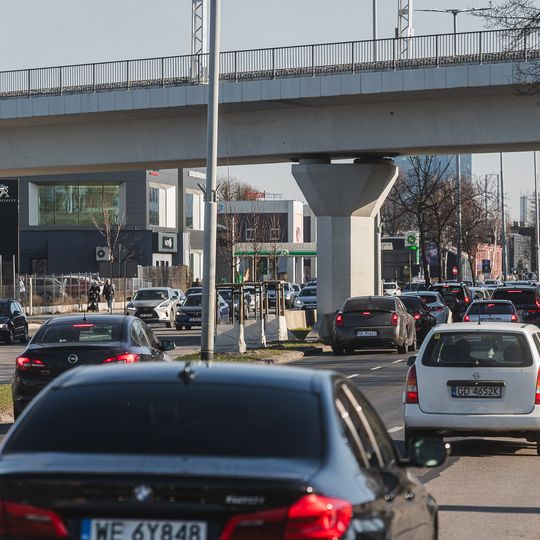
(6, 405)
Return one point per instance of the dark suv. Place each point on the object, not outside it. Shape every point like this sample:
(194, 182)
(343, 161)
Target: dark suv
(525, 298)
(457, 296)
(13, 323)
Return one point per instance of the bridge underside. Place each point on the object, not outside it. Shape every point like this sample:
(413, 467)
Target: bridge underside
(472, 120)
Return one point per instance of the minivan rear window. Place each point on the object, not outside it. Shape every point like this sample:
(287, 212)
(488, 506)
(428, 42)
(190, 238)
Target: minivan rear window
(174, 419)
(477, 349)
(518, 297)
(491, 308)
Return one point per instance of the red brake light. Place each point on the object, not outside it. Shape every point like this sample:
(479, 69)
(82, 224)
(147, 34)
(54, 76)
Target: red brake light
(366, 312)
(537, 304)
(514, 317)
(395, 319)
(84, 325)
(339, 319)
(467, 299)
(411, 392)
(125, 358)
(24, 364)
(466, 318)
(537, 397)
(417, 316)
(311, 517)
(25, 521)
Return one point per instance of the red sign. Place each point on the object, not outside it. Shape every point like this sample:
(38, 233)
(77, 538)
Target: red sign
(454, 270)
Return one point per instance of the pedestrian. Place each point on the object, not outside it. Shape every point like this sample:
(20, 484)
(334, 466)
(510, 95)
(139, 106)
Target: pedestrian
(108, 293)
(93, 297)
(197, 283)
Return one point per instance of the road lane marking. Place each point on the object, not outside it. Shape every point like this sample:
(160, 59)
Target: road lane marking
(395, 429)
(376, 367)
(353, 376)
(397, 361)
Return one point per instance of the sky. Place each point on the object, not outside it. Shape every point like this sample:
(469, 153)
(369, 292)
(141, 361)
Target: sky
(38, 34)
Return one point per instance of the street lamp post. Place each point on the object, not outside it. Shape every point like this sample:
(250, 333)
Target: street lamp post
(210, 193)
(503, 225)
(458, 215)
(537, 220)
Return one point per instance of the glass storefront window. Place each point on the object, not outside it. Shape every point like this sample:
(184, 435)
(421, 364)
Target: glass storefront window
(153, 206)
(75, 204)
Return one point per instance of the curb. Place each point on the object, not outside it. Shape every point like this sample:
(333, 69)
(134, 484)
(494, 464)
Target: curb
(292, 356)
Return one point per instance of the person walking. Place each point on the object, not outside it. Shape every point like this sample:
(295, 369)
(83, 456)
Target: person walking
(108, 293)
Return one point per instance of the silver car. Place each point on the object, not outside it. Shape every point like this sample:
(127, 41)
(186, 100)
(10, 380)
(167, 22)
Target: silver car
(492, 311)
(436, 305)
(306, 299)
(154, 305)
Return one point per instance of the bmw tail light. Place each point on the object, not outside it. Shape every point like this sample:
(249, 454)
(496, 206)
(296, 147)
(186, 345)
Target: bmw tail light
(311, 517)
(537, 396)
(395, 319)
(25, 521)
(25, 364)
(411, 392)
(124, 358)
(339, 319)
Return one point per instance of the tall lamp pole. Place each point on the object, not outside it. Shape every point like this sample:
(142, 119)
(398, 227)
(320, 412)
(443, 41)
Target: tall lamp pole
(458, 215)
(503, 225)
(536, 218)
(210, 193)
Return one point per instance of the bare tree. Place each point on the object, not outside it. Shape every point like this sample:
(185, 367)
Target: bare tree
(229, 236)
(275, 241)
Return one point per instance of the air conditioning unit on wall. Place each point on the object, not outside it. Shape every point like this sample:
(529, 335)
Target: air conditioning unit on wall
(103, 253)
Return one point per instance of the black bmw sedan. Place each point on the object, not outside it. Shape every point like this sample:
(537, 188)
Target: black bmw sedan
(230, 452)
(63, 343)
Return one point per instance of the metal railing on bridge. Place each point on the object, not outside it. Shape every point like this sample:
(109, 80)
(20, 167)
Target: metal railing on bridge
(272, 63)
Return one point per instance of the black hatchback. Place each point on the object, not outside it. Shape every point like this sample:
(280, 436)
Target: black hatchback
(424, 321)
(13, 322)
(173, 451)
(526, 300)
(63, 343)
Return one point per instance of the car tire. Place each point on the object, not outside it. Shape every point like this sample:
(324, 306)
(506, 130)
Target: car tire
(188, 327)
(24, 337)
(414, 345)
(538, 447)
(402, 349)
(10, 337)
(338, 350)
(179, 327)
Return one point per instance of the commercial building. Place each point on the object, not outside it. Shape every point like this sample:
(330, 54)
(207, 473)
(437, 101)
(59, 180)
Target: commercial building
(149, 218)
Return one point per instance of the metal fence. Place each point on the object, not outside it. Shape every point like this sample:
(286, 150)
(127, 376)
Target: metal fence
(303, 60)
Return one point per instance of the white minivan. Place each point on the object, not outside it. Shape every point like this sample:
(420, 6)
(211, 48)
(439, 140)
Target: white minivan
(476, 380)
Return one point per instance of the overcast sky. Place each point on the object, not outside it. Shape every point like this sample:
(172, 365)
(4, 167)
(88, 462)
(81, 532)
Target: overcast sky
(36, 33)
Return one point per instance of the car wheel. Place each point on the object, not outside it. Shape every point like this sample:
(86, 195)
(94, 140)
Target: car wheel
(538, 447)
(414, 345)
(337, 350)
(179, 327)
(188, 327)
(402, 349)
(10, 337)
(24, 337)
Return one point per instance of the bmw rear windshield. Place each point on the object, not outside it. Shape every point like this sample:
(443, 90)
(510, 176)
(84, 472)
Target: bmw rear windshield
(172, 418)
(477, 349)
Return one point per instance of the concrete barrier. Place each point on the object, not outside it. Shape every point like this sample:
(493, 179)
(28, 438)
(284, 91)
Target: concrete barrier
(254, 334)
(276, 328)
(296, 318)
(72, 308)
(230, 338)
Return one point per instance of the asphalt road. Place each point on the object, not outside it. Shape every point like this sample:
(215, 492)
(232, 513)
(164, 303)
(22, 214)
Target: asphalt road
(487, 488)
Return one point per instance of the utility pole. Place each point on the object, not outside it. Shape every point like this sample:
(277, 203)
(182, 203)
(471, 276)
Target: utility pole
(458, 214)
(503, 225)
(374, 30)
(537, 220)
(210, 193)
(404, 28)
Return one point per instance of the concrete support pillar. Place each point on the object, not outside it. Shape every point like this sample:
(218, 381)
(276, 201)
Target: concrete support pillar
(346, 198)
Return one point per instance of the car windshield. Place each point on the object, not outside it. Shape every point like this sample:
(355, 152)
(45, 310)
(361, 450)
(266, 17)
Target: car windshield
(193, 300)
(390, 285)
(172, 418)
(411, 302)
(151, 294)
(4, 309)
(450, 291)
(430, 298)
(311, 291)
(491, 308)
(369, 304)
(518, 297)
(80, 332)
(477, 349)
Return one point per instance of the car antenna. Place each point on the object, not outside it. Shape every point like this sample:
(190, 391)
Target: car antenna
(84, 316)
(187, 374)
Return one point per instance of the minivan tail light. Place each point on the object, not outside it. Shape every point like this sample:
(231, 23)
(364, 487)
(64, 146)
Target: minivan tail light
(24, 363)
(24, 521)
(339, 319)
(537, 396)
(124, 358)
(395, 319)
(411, 392)
(311, 517)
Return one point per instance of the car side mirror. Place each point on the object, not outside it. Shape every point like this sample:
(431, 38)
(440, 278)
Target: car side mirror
(427, 451)
(17, 313)
(411, 360)
(167, 345)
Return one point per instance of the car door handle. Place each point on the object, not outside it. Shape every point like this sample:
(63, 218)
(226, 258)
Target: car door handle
(409, 495)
